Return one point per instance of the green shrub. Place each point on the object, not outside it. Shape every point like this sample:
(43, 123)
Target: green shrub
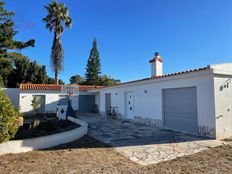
(10, 118)
(35, 124)
(1, 82)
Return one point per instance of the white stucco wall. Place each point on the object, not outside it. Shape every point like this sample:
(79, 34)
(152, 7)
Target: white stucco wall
(223, 68)
(13, 94)
(51, 99)
(97, 100)
(149, 105)
(223, 106)
(157, 68)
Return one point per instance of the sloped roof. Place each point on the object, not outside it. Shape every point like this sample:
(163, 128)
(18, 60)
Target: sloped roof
(162, 76)
(168, 75)
(54, 87)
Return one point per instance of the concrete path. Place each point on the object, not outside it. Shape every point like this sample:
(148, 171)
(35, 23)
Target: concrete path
(145, 145)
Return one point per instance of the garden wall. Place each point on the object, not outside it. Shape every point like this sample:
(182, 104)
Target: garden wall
(13, 94)
(18, 146)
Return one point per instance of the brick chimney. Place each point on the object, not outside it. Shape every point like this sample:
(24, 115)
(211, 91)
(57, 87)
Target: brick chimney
(156, 65)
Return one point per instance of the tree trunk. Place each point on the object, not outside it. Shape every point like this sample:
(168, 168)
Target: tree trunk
(56, 78)
(56, 56)
(56, 36)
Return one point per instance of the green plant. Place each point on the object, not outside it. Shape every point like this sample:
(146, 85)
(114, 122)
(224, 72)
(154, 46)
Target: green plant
(93, 67)
(7, 33)
(35, 103)
(1, 82)
(9, 118)
(35, 124)
(77, 79)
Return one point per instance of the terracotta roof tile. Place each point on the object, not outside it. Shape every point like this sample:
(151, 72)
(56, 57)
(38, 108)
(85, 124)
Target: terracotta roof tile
(54, 87)
(163, 76)
(89, 87)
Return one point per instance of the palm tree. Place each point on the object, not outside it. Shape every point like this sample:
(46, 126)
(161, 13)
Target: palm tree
(56, 19)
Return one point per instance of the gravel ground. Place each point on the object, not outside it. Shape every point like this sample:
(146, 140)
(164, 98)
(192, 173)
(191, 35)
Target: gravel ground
(90, 156)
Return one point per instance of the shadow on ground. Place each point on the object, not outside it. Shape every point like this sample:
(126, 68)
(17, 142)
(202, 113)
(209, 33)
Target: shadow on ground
(84, 142)
(119, 133)
(122, 133)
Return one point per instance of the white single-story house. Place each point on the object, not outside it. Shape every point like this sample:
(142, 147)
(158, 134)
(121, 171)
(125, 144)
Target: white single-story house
(197, 101)
(50, 95)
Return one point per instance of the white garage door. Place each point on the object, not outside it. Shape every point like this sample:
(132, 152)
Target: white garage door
(180, 109)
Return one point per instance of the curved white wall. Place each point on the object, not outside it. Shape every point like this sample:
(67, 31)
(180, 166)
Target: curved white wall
(13, 94)
(18, 146)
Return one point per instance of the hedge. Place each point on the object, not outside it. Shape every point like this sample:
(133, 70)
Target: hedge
(10, 118)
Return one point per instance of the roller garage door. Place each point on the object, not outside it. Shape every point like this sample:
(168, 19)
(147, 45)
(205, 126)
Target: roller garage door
(180, 109)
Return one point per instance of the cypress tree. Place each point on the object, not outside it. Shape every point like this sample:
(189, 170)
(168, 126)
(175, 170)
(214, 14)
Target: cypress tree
(93, 67)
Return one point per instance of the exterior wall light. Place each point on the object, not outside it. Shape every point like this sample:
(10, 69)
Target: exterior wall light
(227, 83)
(145, 91)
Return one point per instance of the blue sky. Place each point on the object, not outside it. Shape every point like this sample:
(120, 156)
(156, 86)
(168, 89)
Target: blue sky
(187, 33)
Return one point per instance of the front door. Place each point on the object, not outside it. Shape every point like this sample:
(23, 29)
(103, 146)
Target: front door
(107, 102)
(130, 105)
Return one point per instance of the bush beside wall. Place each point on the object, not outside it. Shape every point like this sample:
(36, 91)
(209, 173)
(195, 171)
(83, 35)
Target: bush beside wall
(10, 118)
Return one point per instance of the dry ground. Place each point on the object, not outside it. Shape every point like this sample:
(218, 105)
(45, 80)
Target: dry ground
(90, 156)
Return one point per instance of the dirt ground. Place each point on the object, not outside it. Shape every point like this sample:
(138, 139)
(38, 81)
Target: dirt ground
(44, 128)
(90, 156)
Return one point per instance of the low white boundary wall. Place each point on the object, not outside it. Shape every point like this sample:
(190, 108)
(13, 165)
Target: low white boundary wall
(18, 146)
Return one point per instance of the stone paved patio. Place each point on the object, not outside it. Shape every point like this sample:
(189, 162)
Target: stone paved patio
(145, 145)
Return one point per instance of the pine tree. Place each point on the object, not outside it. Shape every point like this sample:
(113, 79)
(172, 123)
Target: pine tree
(93, 67)
(20, 72)
(42, 75)
(77, 79)
(7, 45)
(6, 68)
(33, 71)
(7, 33)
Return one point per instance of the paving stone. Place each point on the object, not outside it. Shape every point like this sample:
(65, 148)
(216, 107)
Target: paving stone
(146, 145)
(134, 159)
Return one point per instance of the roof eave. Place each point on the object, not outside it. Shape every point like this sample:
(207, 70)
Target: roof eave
(158, 78)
